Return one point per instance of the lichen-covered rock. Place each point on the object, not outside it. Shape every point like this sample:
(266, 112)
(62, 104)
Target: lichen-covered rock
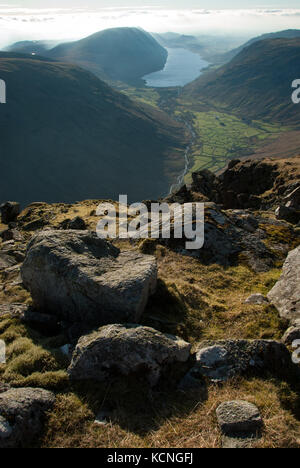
(222, 360)
(81, 278)
(22, 413)
(124, 350)
(286, 293)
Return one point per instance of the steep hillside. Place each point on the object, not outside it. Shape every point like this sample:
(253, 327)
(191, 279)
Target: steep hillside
(257, 83)
(65, 135)
(119, 54)
(286, 34)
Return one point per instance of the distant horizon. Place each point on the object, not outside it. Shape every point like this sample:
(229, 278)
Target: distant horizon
(44, 21)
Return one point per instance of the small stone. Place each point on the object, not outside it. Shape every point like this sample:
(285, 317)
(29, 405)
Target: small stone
(239, 417)
(256, 299)
(103, 417)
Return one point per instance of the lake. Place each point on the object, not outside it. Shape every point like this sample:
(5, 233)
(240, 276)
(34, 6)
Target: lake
(181, 68)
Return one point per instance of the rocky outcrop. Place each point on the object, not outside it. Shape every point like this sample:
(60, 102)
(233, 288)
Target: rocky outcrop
(22, 413)
(240, 423)
(81, 278)
(221, 360)
(233, 234)
(248, 184)
(286, 293)
(123, 350)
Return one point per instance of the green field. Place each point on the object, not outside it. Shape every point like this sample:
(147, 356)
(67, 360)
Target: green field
(219, 136)
(144, 95)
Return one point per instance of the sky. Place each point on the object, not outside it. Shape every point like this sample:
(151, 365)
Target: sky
(64, 20)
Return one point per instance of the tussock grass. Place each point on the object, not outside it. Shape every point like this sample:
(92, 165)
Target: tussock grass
(169, 420)
(200, 301)
(29, 362)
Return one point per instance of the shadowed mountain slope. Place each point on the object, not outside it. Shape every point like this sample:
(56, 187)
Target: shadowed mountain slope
(66, 135)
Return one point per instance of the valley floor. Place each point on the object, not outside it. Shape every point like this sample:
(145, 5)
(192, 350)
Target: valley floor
(219, 135)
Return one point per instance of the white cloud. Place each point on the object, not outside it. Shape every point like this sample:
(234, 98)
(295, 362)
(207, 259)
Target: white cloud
(64, 24)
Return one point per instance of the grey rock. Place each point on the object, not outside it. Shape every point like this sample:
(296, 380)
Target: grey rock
(44, 323)
(256, 299)
(239, 417)
(222, 360)
(103, 417)
(5, 429)
(238, 442)
(11, 234)
(75, 224)
(81, 278)
(193, 381)
(292, 334)
(123, 350)
(24, 409)
(6, 261)
(9, 211)
(286, 293)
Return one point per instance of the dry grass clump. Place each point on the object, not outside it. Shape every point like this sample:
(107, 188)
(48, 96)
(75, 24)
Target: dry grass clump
(200, 301)
(168, 419)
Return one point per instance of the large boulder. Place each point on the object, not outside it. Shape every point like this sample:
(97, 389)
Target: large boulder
(221, 360)
(22, 413)
(81, 278)
(123, 350)
(286, 293)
